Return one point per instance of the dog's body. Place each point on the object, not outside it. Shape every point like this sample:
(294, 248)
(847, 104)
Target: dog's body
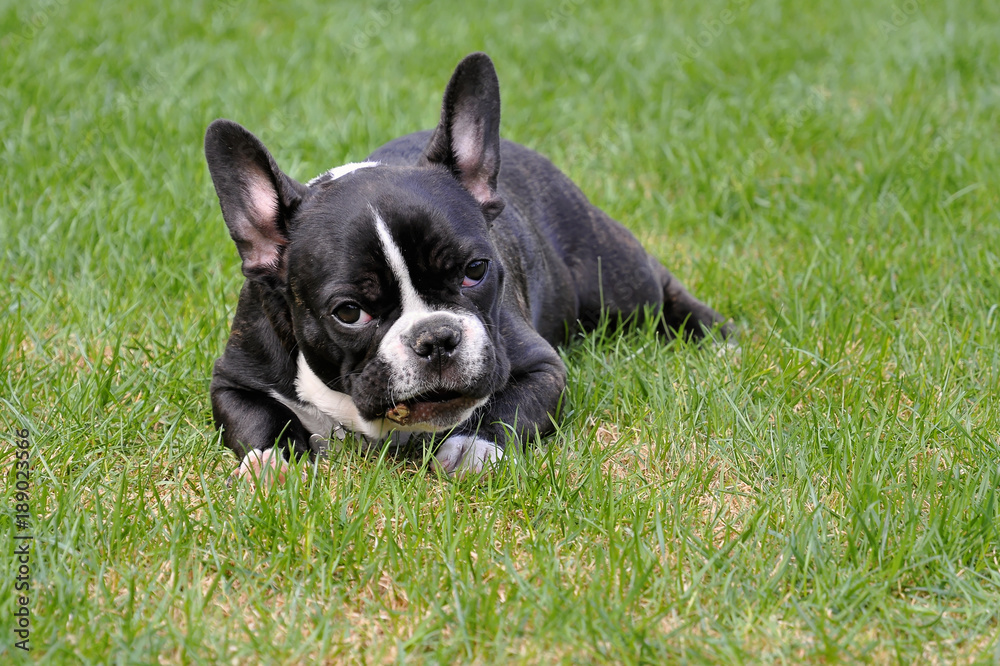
(423, 291)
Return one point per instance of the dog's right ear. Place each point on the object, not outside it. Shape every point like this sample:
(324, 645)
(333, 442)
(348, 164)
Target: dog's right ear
(257, 199)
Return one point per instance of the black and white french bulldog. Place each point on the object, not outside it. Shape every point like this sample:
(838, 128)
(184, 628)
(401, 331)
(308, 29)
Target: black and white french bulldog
(421, 291)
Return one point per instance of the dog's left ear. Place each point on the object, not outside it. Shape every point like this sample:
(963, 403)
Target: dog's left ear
(467, 140)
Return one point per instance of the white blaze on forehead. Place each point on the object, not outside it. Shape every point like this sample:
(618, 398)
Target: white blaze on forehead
(411, 301)
(343, 170)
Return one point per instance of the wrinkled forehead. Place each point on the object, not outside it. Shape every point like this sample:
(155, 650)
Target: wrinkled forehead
(418, 205)
(365, 215)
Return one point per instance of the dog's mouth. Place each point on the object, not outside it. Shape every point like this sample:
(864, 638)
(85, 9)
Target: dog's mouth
(439, 405)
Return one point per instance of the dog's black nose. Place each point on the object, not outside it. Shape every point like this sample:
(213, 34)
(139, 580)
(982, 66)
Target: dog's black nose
(436, 338)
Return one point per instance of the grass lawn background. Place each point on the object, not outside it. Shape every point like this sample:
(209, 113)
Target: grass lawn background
(828, 176)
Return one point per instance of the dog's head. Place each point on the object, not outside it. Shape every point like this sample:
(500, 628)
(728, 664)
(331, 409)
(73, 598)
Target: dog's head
(392, 280)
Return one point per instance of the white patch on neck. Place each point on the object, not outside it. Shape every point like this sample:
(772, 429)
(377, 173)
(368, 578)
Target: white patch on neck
(337, 406)
(411, 301)
(322, 410)
(343, 170)
(326, 412)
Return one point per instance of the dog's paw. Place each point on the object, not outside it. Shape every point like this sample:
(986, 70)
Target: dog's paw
(726, 340)
(464, 454)
(263, 468)
(729, 347)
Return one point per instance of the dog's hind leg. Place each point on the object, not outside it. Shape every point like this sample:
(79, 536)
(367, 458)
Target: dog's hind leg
(684, 314)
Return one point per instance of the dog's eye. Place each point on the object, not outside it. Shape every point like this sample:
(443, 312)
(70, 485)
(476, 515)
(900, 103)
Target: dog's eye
(475, 272)
(351, 313)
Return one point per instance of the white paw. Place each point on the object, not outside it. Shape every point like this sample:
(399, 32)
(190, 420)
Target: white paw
(728, 347)
(462, 454)
(266, 467)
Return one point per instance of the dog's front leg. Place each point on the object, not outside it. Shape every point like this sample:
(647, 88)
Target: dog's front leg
(261, 431)
(525, 407)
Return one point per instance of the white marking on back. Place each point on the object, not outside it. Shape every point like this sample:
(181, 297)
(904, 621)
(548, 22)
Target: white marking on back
(342, 170)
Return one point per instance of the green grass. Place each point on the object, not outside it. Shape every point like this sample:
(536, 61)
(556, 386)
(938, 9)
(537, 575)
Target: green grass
(828, 176)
